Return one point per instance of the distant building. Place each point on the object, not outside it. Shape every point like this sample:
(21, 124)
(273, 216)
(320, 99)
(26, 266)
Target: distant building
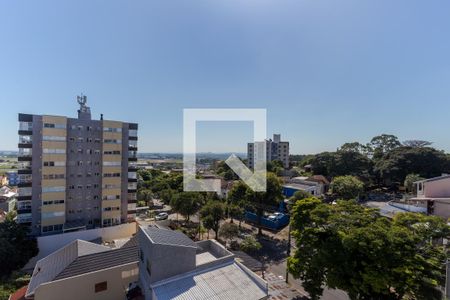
(13, 178)
(434, 196)
(76, 173)
(3, 180)
(275, 150)
(8, 199)
(156, 264)
(316, 185)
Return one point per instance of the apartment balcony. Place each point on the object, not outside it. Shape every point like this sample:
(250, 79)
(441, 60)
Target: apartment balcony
(24, 211)
(132, 180)
(24, 171)
(25, 154)
(24, 158)
(24, 218)
(25, 141)
(132, 167)
(132, 196)
(24, 184)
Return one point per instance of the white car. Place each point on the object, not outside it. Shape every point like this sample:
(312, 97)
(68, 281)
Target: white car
(161, 216)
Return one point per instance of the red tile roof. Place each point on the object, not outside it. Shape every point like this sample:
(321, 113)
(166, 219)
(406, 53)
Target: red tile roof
(19, 294)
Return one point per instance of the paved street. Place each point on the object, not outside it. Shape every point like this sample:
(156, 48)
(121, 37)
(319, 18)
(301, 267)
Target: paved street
(279, 269)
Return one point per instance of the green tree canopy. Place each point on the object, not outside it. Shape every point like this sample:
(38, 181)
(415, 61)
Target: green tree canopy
(398, 163)
(270, 198)
(351, 247)
(409, 182)
(212, 213)
(16, 248)
(187, 203)
(347, 187)
(229, 231)
(382, 144)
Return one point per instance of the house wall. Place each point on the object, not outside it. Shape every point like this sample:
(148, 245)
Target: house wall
(437, 189)
(83, 286)
(442, 208)
(165, 260)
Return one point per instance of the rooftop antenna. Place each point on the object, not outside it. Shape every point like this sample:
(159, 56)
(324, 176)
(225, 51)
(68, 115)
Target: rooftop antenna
(84, 112)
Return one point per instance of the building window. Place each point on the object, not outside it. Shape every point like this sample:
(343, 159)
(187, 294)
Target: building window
(101, 286)
(58, 126)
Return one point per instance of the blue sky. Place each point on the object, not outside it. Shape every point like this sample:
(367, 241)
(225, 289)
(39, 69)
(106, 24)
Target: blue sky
(327, 72)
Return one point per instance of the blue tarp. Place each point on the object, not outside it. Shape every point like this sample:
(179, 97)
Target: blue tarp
(275, 224)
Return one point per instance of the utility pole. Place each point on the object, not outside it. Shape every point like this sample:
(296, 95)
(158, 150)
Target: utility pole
(288, 251)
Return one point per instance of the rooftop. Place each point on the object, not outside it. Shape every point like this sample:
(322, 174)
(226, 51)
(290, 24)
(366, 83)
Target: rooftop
(168, 237)
(100, 261)
(80, 257)
(226, 281)
(443, 176)
(50, 266)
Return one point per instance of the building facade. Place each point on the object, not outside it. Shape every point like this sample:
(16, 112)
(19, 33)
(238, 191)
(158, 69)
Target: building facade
(275, 150)
(433, 195)
(75, 173)
(13, 178)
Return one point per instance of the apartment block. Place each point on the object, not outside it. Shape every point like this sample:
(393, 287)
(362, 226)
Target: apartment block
(275, 150)
(76, 173)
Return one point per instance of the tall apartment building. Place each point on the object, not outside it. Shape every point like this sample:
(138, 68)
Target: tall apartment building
(275, 150)
(76, 173)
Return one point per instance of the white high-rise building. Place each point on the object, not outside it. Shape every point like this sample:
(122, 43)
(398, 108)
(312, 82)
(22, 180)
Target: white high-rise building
(275, 150)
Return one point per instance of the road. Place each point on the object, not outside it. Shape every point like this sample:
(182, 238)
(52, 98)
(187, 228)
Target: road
(279, 269)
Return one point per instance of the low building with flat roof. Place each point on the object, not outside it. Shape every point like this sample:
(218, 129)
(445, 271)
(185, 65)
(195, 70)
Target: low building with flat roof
(155, 264)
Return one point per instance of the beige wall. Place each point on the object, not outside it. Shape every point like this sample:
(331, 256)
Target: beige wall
(438, 188)
(83, 286)
(442, 208)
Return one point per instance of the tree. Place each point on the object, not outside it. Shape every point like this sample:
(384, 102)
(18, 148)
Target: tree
(166, 195)
(229, 231)
(409, 182)
(351, 247)
(186, 203)
(347, 187)
(236, 200)
(250, 245)
(382, 144)
(300, 195)
(261, 200)
(416, 143)
(343, 162)
(16, 248)
(398, 163)
(236, 212)
(145, 195)
(355, 147)
(212, 213)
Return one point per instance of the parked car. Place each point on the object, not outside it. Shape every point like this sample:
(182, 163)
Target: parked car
(162, 216)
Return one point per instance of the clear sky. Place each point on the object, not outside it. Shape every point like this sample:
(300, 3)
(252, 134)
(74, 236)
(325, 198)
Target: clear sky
(327, 72)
